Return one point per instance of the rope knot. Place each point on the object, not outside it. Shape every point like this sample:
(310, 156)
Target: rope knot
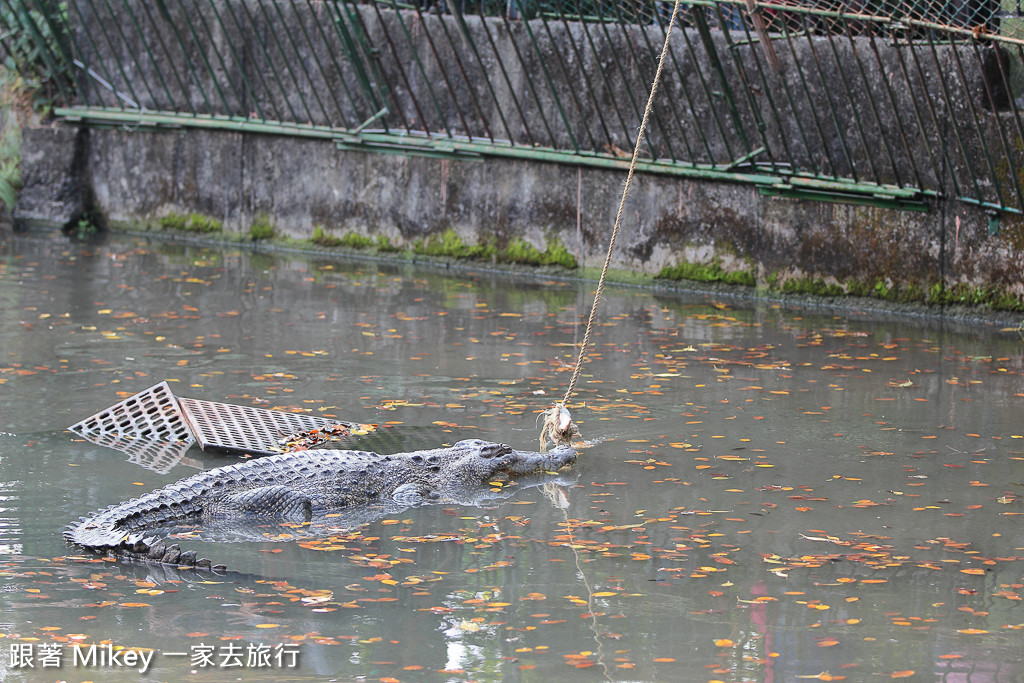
(558, 426)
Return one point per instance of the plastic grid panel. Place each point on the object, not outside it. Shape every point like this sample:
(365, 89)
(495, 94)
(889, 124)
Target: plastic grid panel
(227, 428)
(148, 426)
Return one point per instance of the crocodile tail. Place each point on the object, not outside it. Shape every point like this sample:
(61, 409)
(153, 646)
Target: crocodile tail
(108, 539)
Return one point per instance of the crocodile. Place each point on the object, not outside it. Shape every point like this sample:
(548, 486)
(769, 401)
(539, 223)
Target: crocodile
(301, 489)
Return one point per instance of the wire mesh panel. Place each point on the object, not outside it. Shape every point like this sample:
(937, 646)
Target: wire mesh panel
(148, 426)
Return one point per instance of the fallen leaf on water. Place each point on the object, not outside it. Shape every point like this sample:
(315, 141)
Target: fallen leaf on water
(824, 676)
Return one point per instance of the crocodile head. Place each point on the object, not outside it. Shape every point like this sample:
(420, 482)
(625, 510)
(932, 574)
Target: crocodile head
(478, 461)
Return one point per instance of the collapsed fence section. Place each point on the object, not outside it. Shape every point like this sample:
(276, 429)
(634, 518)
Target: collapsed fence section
(888, 104)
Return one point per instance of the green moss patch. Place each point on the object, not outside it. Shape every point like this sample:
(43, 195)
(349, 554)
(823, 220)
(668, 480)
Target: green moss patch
(193, 222)
(707, 272)
(521, 251)
(449, 244)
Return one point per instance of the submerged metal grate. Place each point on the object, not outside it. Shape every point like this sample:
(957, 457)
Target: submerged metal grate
(148, 426)
(226, 428)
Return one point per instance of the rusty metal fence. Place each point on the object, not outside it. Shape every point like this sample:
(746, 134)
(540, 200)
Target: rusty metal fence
(865, 101)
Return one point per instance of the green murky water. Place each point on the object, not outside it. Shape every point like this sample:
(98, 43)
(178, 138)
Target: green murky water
(765, 494)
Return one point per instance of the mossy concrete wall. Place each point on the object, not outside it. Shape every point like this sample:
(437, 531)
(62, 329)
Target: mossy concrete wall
(133, 178)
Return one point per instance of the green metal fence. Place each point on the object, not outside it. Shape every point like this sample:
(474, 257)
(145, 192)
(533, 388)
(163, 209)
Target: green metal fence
(869, 101)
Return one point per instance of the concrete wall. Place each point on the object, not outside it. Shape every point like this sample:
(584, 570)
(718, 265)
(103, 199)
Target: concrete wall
(133, 178)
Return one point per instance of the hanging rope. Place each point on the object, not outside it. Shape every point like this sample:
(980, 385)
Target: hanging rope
(558, 424)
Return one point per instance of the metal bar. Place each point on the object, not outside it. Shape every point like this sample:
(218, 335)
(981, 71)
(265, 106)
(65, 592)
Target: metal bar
(977, 124)
(423, 72)
(258, 39)
(826, 90)
(324, 79)
(444, 73)
(854, 107)
(401, 72)
(677, 67)
(933, 118)
(156, 67)
(294, 79)
(547, 78)
(895, 108)
(206, 62)
(468, 37)
(504, 74)
(360, 55)
(332, 53)
(700, 22)
(630, 97)
(381, 86)
(170, 62)
(655, 124)
(585, 79)
(755, 110)
(161, 6)
(442, 20)
(582, 118)
(766, 89)
(1005, 77)
(47, 10)
(811, 102)
(298, 60)
(117, 61)
(997, 181)
(873, 107)
(947, 102)
(242, 64)
(370, 120)
(529, 81)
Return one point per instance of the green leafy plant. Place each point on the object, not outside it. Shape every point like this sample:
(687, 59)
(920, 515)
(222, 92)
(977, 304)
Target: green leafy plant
(10, 137)
(261, 228)
(86, 228)
(37, 46)
(384, 243)
(173, 221)
(197, 222)
(353, 240)
(322, 238)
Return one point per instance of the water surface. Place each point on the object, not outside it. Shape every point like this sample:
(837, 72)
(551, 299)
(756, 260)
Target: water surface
(764, 493)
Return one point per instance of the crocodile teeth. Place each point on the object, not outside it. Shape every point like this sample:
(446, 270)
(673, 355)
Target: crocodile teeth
(156, 551)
